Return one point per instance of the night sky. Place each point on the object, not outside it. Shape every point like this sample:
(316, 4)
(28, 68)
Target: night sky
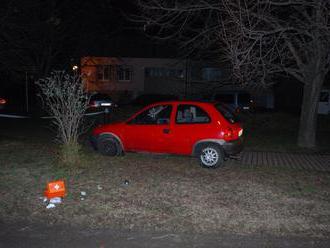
(68, 30)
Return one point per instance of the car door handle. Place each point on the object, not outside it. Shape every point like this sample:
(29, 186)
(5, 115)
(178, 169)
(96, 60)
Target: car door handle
(166, 130)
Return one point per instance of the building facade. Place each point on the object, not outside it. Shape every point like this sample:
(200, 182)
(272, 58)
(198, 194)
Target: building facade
(127, 78)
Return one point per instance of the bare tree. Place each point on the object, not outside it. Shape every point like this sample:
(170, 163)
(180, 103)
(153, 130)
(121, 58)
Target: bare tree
(265, 39)
(194, 25)
(66, 101)
(262, 39)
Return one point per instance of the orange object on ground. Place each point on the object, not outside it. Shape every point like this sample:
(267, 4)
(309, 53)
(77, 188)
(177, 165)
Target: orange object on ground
(55, 189)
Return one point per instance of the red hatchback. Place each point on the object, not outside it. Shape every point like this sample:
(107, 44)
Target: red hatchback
(206, 130)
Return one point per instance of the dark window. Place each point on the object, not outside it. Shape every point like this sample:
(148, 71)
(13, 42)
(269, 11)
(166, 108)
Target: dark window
(104, 72)
(163, 72)
(159, 114)
(211, 74)
(124, 73)
(190, 114)
(324, 97)
(226, 113)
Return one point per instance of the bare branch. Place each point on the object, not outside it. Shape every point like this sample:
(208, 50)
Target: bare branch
(66, 101)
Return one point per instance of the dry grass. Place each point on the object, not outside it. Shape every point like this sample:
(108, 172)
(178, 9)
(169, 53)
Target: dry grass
(279, 131)
(165, 193)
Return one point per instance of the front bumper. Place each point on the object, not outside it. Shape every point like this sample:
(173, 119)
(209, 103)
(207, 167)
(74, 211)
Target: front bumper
(233, 147)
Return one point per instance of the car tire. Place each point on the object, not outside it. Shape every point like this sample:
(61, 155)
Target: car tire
(109, 146)
(211, 156)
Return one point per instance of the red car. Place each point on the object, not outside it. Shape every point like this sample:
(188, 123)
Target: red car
(206, 130)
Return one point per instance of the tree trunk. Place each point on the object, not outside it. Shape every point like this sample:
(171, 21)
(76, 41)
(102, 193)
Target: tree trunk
(308, 115)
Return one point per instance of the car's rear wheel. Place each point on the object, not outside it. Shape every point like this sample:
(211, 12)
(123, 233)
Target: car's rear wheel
(211, 156)
(109, 146)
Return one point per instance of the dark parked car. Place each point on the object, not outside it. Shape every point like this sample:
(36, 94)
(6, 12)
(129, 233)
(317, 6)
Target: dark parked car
(101, 101)
(237, 100)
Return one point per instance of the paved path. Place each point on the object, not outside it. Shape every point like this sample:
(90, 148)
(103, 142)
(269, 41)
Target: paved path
(299, 161)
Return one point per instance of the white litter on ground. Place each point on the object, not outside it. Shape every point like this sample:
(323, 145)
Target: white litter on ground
(50, 205)
(55, 200)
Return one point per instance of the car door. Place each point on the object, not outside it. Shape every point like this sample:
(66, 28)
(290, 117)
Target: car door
(149, 130)
(192, 123)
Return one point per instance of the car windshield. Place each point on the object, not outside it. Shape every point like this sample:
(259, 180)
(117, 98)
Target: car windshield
(227, 113)
(100, 97)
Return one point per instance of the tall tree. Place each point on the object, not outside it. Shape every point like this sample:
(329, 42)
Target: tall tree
(262, 39)
(268, 38)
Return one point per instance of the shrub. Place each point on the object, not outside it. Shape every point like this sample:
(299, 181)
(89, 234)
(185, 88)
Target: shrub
(64, 98)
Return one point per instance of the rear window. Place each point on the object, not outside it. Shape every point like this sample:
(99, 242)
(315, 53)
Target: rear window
(227, 113)
(96, 97)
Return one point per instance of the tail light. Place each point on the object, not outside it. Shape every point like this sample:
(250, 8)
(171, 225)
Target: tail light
(93, 104)
(2, 101)
(228, 134)
(232, 134)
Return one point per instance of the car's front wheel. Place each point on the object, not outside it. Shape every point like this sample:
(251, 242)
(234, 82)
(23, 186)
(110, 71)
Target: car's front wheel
(109, 146)
(211, 156)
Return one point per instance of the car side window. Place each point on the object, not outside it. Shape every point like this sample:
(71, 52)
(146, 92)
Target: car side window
(159, 114)
(191, 114)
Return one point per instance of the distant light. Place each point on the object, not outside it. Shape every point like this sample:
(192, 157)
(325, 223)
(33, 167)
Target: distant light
(75, 67)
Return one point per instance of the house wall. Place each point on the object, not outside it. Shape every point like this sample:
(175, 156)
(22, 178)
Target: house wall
(139, 83)
(89, 73)
(183, 78)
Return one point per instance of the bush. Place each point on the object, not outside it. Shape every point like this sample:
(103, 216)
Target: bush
(64, 98)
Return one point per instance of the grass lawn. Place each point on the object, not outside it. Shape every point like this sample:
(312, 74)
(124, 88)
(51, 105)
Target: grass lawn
(279, 131)
(165, 193)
